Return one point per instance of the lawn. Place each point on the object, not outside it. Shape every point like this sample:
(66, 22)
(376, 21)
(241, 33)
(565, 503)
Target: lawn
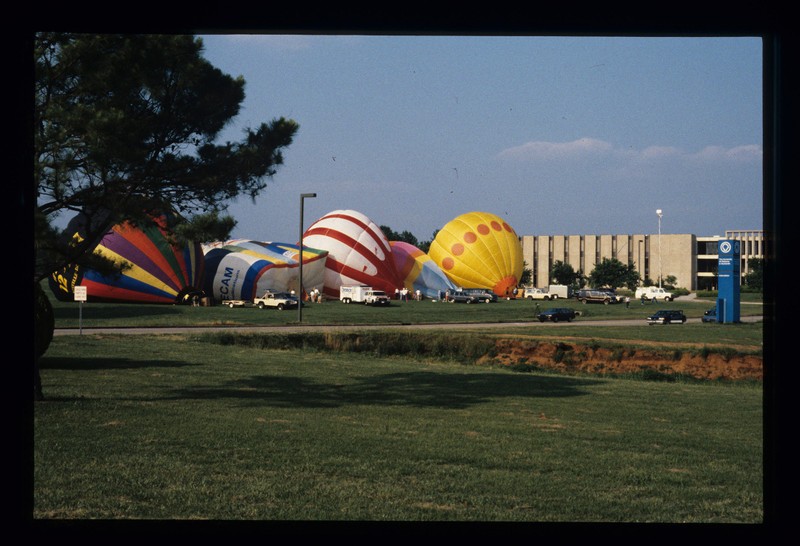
(185, 427)
(240, 427)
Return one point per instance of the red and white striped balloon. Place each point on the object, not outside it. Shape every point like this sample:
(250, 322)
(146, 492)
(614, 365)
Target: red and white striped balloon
(358, 252)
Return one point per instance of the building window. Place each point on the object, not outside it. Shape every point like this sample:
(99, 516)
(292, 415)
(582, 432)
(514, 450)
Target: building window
(707, 266)
(707, 248)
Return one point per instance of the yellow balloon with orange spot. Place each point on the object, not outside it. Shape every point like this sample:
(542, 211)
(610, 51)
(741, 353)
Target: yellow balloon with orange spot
(479, 250)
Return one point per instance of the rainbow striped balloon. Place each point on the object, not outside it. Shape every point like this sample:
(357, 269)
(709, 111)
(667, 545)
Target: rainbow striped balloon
(156, 270)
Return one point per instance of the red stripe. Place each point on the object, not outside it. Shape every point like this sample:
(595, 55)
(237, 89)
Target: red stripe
(382, 267)
(362, 225)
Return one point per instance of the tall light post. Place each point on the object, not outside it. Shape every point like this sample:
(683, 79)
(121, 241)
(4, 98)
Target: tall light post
(658, 211)
(300, 291)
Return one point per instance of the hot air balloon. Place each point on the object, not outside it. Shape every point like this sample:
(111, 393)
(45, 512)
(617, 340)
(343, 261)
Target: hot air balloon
(419, 271)
(479, 250)
(358, 252)
(154, 269)
(241, 269)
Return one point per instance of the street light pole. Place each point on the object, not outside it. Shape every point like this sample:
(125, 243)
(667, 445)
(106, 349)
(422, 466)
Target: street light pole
(300, 292)
(660, 273)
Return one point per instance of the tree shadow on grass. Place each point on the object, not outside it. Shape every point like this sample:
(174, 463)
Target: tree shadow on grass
(414, 389)
(115, 363)
(109, 311)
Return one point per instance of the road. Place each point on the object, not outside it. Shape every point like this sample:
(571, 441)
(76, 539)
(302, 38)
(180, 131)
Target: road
(352, 327)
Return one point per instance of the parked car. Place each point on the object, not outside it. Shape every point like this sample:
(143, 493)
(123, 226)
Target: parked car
(586, 295)
(666, 316)
(556, 314)
(486, 296)
(710, 315)
(459, 296)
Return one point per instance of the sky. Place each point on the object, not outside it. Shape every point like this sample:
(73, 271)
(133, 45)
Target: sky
(556, 135)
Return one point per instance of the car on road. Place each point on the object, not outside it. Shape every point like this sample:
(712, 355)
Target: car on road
(557, 314)
(710, 315)
(459, 296)
(666, 316)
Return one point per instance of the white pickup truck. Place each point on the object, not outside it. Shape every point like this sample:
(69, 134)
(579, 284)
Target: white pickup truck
(653, 293)
(276, 300)
(536, 294)
(552, 292)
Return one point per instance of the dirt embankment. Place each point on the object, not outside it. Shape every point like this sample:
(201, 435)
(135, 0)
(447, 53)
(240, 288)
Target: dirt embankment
(570, 357)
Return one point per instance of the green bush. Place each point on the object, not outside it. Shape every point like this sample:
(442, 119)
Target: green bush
(382, 344)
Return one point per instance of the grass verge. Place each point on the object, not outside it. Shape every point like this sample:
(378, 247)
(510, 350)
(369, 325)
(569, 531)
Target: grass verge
(179, 428)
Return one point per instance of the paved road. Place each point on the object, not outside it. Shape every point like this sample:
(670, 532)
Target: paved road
(351, 327)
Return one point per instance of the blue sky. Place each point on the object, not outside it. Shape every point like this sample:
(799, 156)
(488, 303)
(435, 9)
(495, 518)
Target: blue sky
(557, 135)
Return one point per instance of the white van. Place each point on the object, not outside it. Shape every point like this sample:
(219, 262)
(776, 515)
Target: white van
(653, 293)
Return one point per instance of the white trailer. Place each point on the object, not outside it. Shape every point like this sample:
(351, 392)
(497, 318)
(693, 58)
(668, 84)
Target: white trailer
(552, 292)
(559, 291)
(363, 294)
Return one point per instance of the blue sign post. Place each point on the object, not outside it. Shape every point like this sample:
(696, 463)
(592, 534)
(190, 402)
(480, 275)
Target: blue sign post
(728, 272)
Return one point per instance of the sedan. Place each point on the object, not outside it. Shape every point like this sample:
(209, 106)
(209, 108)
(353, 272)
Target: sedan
(710, 315)
(556, 314)
(666, 316)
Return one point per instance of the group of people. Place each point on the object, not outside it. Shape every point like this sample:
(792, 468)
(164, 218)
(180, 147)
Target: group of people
(402, 294)
(315, 296)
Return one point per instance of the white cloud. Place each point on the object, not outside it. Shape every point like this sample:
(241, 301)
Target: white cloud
(556, 150)
(589, 147)
(749, 152)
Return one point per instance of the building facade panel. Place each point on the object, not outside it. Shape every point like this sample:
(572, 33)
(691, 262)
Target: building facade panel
(692, 260)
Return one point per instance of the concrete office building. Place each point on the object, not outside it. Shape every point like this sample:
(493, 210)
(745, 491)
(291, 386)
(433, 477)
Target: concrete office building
(691, 259)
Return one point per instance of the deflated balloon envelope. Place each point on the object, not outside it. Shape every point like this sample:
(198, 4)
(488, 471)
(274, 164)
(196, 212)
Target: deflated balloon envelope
(358, 252)
(419, 271)
(479, 250)
(244, 268)
(158, 270)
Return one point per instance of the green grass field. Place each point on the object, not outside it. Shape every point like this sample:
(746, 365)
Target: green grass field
(183, 427)
(227, 427)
